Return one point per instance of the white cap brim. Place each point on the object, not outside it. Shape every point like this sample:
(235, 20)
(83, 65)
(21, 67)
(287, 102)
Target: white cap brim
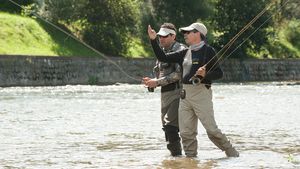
(200, 27)
(188, 28)
(165, 32)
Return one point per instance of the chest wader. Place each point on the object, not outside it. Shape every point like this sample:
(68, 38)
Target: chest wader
(170, 112)
(170, 117)
(170, 103)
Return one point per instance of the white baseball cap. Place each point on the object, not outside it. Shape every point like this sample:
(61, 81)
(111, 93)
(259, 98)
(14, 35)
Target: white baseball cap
(200, 27)
(166, 31)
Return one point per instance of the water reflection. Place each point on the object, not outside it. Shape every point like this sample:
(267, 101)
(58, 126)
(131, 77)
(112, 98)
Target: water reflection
(118, 126)
(187, 163)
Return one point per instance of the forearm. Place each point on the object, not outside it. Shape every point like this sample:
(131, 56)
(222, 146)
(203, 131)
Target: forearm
(171, 78)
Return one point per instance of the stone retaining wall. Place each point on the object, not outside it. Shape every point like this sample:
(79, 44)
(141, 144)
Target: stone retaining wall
(45, 71)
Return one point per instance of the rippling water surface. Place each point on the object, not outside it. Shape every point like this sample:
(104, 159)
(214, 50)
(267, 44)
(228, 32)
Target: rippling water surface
(118, 127)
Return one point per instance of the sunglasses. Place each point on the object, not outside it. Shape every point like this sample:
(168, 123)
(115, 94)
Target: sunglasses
(188, 32)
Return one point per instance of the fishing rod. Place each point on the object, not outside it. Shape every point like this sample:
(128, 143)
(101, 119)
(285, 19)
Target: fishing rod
(231, 42)
(251, 34)
(80, 41)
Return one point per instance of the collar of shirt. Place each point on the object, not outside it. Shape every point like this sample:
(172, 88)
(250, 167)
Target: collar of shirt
(170, 48)
(197, 46)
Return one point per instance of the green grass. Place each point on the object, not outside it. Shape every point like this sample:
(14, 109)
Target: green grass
(27, 36)
(289, 37)
(21, 35)
(136, 50)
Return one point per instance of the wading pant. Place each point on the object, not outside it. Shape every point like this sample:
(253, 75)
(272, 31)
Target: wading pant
(198, 105)
(169, 107)
(169, 117)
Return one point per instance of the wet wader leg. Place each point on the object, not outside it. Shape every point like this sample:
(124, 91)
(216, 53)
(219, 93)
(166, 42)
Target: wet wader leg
(169, 117)
(205, 113)
(188, 123)
(172, 136)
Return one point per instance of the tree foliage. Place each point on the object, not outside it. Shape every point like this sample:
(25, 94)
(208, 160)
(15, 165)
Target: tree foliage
(111, 24)
(290, 9)
(66, 10)
(107, 25)
(181, 13)
(8, 6)
(232, 15)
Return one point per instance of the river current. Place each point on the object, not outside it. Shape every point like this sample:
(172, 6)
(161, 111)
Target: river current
(118, 127)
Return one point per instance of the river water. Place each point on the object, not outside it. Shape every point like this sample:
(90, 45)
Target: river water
(118, 127)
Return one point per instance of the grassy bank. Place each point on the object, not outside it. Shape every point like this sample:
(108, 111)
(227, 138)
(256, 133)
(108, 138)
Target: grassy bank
(26, 36)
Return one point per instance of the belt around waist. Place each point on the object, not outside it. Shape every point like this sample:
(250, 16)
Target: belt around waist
(191, 85)
(170, 87)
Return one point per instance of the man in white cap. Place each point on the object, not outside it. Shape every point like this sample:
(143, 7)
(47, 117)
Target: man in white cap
(200, 68)
(168, 76)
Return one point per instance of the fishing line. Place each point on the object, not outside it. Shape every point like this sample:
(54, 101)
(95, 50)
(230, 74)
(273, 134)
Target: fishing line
(242, 31)
(80, 41)
(231, 42)
(252, 33)
(248, 37)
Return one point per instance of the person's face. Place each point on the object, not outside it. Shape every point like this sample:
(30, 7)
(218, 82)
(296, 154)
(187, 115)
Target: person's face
(166, 41)
(191, 37)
